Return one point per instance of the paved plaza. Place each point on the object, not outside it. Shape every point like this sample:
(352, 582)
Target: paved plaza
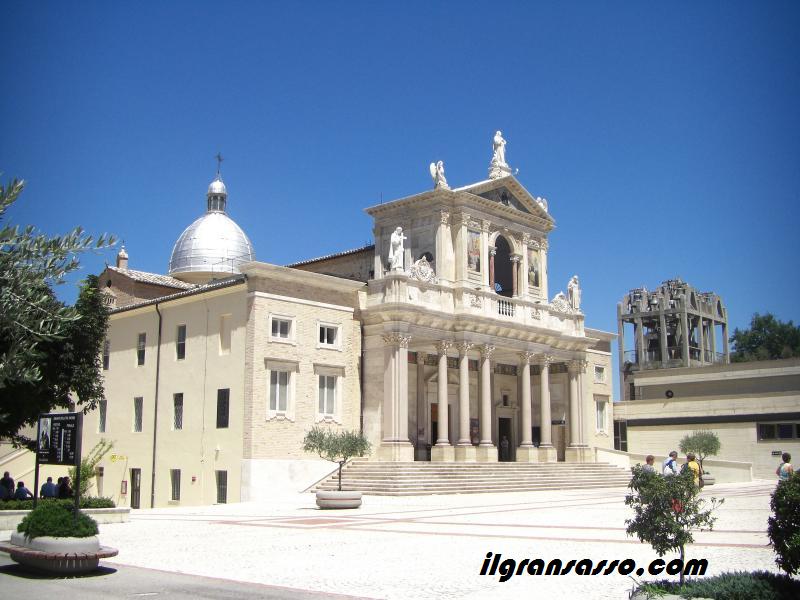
(407, 547)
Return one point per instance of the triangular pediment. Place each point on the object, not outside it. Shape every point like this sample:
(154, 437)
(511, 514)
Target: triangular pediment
(510, 193)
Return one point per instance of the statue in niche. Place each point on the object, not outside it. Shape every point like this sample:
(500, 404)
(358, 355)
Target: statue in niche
(574, 291)
(499, 147)
(437, 173)
(396, 250)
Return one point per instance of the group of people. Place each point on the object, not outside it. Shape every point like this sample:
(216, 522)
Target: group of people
(670, 466)
(62, 489)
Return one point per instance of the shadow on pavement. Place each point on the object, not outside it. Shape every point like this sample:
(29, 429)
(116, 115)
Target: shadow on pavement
(27, 573)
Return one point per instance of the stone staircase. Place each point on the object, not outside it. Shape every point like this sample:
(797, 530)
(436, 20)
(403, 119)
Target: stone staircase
(420, 478)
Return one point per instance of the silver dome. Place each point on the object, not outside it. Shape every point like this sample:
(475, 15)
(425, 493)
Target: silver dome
(217, 187)
(212, 247)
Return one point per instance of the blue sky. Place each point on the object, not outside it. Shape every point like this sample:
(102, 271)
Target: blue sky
(666, 137)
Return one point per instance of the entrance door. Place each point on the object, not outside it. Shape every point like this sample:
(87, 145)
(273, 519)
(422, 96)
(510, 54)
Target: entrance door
(504, 431)
(136, 487)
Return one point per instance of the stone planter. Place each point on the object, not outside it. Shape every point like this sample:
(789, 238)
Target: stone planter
(64, 556)
(336, 499)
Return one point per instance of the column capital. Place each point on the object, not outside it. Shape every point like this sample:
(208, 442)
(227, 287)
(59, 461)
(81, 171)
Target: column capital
(464, 218)
(544, 245)
(545, 360)
(443, 346)
(576, 366)
(527, 357)
(464, 347)
(487, 350)
(396, 338)
(445, 216)
(515, 258)
(492, 251)
(485, 225)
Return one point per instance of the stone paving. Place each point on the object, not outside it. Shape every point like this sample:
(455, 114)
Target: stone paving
(428, 546)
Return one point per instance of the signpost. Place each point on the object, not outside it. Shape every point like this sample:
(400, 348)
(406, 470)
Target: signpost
(58, 442)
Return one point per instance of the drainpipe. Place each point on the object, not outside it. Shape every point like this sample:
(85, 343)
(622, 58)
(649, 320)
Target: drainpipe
(155, 412)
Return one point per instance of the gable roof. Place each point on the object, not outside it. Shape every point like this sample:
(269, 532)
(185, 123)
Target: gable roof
(153, 278)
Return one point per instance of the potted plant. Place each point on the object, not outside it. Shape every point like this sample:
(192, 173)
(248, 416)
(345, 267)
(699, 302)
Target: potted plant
(338, 447)
(56, 538)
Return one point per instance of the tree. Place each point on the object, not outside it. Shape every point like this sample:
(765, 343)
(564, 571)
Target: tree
(47, 348)
(767, 339)
(701, 443)
(784, 526)
(89, 463)
(336, 446)
(666, 511)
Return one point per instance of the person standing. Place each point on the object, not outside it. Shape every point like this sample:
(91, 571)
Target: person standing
(693, 466)
(670, 465)
(785, 469)
(648, 466)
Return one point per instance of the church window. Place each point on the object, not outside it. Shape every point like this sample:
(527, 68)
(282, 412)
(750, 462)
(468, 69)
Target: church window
(601, 402)
(279, 391)
(177, 412)
(180, 342)
(328, 335)
(281, 328)
(280, 395)
(141, 343)
(599, 374)
(138, 408)
(175, 484)
(223, 408)
(327, 395)
(101, 421)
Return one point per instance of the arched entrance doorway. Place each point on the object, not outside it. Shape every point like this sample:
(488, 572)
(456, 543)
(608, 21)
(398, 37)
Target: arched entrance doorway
(503, 275)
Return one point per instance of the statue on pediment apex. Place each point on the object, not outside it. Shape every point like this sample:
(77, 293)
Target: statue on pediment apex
(437, 174)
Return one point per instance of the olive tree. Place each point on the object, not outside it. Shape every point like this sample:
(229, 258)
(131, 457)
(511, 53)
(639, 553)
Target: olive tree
(336, 446)
(701, 443)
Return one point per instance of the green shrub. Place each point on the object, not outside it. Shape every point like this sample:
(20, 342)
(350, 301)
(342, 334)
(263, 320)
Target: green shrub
(85, 503)
(336, 446)
(57, 519)
(784, 524)
(758, 585)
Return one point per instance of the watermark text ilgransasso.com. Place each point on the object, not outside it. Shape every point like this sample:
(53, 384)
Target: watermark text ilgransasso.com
(505, 568)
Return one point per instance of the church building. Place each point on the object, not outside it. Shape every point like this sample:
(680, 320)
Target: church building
(441, 342)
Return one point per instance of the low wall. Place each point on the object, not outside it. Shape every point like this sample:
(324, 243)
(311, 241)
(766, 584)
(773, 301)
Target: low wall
(265, 479)
(724, 471)
(9, 519)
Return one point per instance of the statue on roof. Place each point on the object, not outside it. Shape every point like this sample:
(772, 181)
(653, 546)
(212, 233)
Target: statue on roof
(437, 174)
(499, 167)
(574, 291)
(396, 250)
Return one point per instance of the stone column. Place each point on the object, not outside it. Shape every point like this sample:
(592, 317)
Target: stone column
(443, 450)
(577, 450)
(462, 237)
(395, 445)
(523, 267)
(662, 339)
(515, 275)
(485, 254)
(492, 254)
(685, 335)
(526, 451)
(641, 354)
(486, 451)
(701, 339)
(377, 265)
(713, 325)
(725, 343)
(464, 451)
(544, 280)
(547, 453)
